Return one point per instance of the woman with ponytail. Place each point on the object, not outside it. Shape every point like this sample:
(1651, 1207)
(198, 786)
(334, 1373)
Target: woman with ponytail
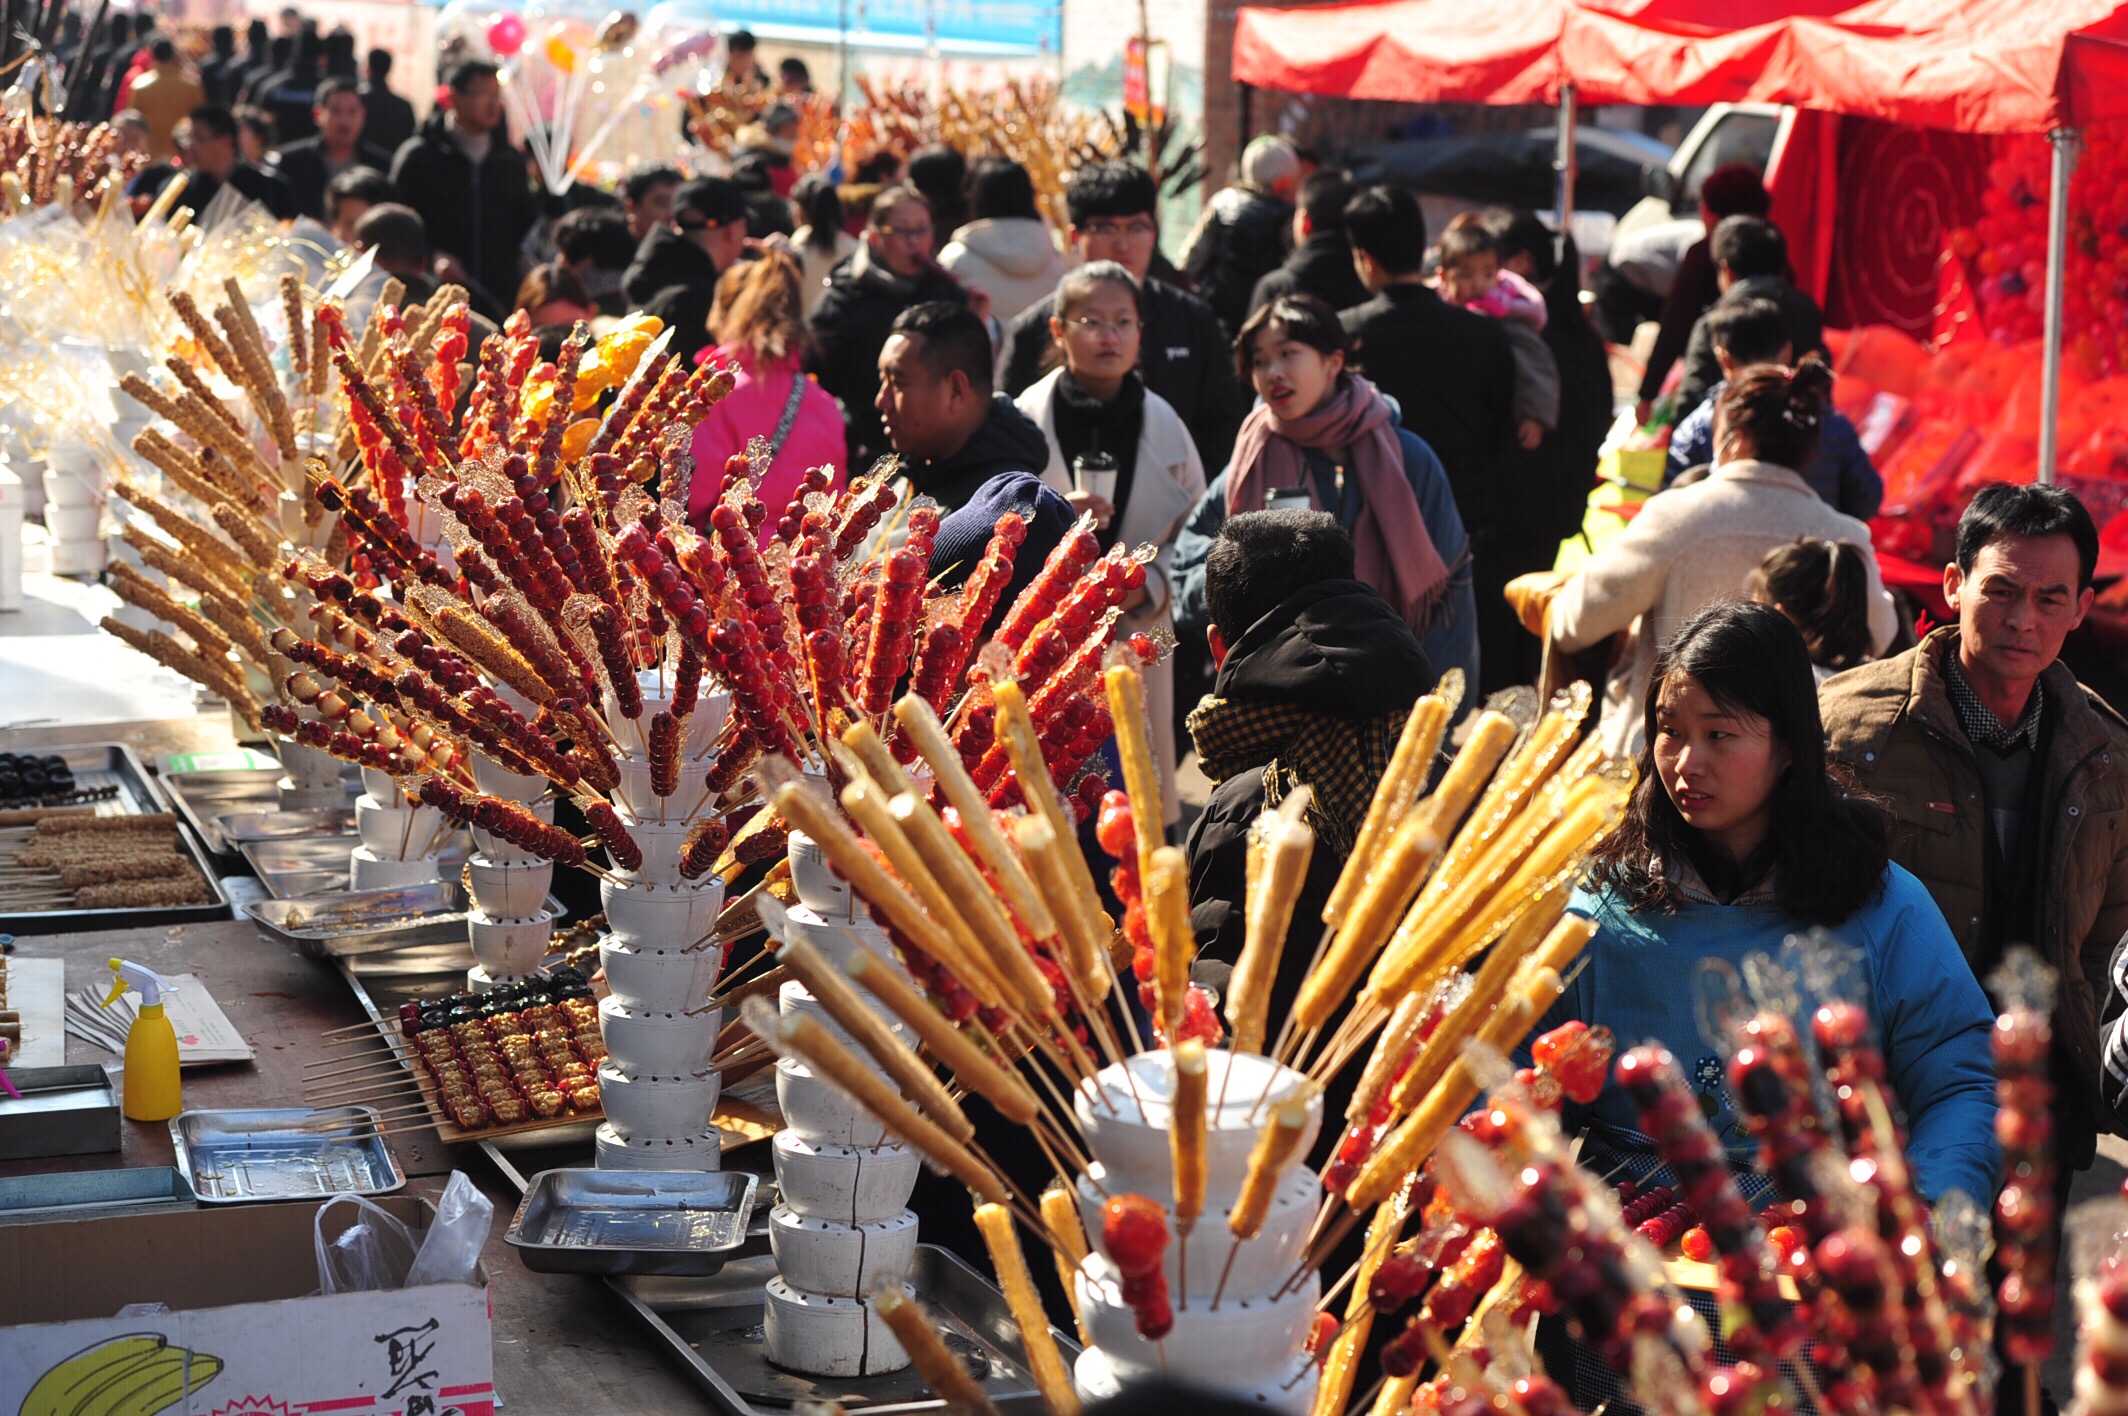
(1696, 544)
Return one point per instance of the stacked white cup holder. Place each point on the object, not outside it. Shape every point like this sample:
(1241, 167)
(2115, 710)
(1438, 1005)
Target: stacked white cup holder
(509, 922)
(313, 779)
(843, 1228)
(396, 843)
(1252, 1347)
(73, 508)
(657, 1087)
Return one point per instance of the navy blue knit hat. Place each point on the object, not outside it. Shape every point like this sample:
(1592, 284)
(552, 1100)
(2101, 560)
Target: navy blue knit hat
(963, 534)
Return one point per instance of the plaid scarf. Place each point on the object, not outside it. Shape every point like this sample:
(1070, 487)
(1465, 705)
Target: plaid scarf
(1340, 760)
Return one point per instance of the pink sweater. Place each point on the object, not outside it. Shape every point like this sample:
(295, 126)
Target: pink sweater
(752, 410)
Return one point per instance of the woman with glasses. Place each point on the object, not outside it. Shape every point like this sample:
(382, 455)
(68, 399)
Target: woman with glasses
(1120, 452)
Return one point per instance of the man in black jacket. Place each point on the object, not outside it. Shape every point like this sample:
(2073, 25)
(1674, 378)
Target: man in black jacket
(1316, 676)
(891, 271)
(1750, 261)
(950, 431)
(1183, 356)
(468, 181)
(1243, 234)
(674, 274)
(206, 141)
(1321, 263)
(391, 117)
(311, 163)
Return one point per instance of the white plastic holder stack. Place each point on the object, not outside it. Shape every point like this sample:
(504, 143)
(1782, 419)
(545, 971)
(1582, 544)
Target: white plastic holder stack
(843, 1229)
(661, 959)
(73, 508)
(13, 506)
(396, 843)
(509, 922)
(1252, 1347)
(313, 779)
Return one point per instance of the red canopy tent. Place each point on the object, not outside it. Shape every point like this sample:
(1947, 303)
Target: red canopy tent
(1972, 66)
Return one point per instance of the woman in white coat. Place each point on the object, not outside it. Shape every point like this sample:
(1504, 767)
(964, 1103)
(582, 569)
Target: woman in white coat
(1094, 403)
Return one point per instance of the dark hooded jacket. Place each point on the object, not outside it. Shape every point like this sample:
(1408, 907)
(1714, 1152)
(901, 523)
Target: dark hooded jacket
(1315, 693)
(850, 326)
(676, 280)
(1006, 441)
(1243, 236)
(479, 214)
(1320, 266)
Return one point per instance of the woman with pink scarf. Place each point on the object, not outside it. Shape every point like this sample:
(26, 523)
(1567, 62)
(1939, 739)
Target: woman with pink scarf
(1327, 438)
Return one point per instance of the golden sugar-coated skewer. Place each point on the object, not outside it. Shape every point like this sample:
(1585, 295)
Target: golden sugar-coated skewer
(964, 956)
(1009, 1262)
(972, 1067)
(993, 927)
(1125, 690)
(1167, 908)
(1281, 845)
(1394, 795)
(920, 721)
(918, 1335)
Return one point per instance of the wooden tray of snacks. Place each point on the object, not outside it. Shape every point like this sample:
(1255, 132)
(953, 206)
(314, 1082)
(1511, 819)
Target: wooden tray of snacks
(443, 1062)
(108, 857)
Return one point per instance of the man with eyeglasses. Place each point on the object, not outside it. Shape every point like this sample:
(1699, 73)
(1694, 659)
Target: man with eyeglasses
(890, 271)
(674, 274)
(1183, 356)
(208, 156)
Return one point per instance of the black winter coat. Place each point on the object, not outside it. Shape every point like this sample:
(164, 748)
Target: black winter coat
(1335, 649)
(1184, 357)
(1320, 266)
(478, 214)
(850, 326)
(673, 278)
(303, 165)
(1242, 238)
(1452, 374)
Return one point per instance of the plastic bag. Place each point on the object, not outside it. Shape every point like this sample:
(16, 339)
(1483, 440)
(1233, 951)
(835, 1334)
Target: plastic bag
(373, 1253)
(378, 1252)
(454, 1241)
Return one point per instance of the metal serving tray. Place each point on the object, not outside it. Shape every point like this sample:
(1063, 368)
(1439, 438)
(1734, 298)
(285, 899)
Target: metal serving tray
(112, 764)
(341, 924)
(713, 1327)
(200, 797)
(290, 866)
(283, 1153)
(682, 1222)
(62, 1111)
(76, 1194)
(238, 827)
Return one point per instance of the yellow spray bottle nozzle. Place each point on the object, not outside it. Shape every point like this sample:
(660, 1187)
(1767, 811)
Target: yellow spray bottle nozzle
(118, 982)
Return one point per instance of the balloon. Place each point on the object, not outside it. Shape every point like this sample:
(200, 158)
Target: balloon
(617, 29)
(559, 54)
(506, 34)
(687, 49)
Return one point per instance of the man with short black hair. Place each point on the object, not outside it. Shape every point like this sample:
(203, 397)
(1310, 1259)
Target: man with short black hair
(594, 244)
(2008, 781)
(352, 194)
(470, 184)
(890, 272)
(934, 403)
(206, 144)
(400, 244)
(743, 77)
(1321, 263)
(310, 164)
(391, 117)
(674, 274)
(1113, 208)
(1755, 331)
(1750, 261)
(1317, 673)
(646, 196)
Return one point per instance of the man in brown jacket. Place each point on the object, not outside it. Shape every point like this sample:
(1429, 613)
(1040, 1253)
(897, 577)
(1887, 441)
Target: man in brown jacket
(2008, 779)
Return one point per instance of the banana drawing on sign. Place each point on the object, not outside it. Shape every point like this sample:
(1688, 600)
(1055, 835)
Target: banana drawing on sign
(139, 1374)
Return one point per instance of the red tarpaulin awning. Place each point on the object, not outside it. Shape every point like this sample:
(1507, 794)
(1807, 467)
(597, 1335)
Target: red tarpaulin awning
(1977, 66)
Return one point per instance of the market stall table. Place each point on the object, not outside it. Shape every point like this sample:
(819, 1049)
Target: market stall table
(561, 1342)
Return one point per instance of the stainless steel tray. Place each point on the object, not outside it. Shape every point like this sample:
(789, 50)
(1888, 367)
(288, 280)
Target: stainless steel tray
(234, 1157)
(291, 866)
(679, 1222)
(342, 924)
(200, 797)
(111, 764)
(238, 827)
(713, 1328)
(74, 1194)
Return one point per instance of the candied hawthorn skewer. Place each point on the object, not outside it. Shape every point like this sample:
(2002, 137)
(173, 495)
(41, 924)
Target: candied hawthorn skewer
(1134, 1231)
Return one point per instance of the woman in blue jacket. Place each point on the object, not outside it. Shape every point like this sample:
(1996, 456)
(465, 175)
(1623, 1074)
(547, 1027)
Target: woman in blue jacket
(1736, 838)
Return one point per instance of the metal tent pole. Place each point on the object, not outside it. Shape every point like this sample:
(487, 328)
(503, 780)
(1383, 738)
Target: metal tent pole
(2064, 142)
(1567, 163)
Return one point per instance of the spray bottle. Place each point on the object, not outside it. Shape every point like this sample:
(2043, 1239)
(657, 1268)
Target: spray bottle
(152, 1088)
